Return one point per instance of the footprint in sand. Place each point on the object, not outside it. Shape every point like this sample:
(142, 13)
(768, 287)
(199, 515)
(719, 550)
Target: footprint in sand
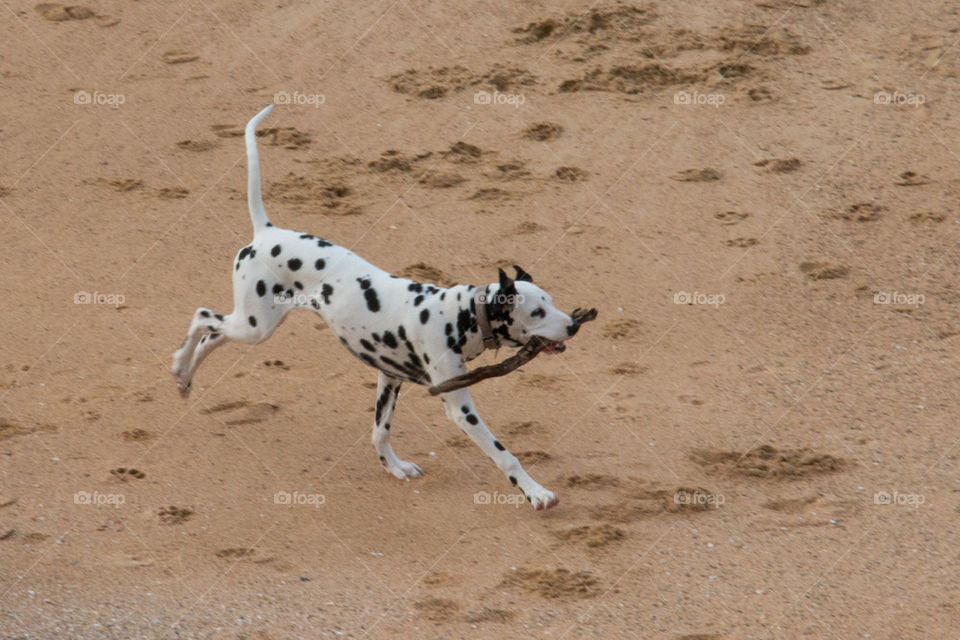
(774, 165)
(741, 243)
(543, 131)
(174, 515)
(172, 193)
(570, 174)
(553, 583)
(437, 609)
(619, 329)
(197, 145)
(592, 536)
(61, 13)
(730, 217)
(911, 179)
(926, 218)
(125, 475)
(697, 175)
(769, 462)
(235, 553)
(860, 212)
(136, 435)
(824, 270)
(628, 369)
(178, 57)
(487, 614)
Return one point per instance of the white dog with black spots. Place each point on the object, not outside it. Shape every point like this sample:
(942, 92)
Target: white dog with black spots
(407, 330)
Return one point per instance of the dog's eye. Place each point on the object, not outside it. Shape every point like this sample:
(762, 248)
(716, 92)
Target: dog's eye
(538, 313)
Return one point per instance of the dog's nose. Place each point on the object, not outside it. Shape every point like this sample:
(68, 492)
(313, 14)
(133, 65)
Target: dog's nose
(573, 328)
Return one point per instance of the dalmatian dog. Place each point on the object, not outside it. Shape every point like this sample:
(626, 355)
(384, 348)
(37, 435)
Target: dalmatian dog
(408, 331)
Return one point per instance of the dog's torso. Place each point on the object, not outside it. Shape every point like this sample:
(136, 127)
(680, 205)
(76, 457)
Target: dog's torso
(393, 324)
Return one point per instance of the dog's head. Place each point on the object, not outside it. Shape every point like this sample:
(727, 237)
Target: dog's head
(519, 310)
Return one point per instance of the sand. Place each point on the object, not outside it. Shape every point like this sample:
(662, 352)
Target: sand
(756, 438)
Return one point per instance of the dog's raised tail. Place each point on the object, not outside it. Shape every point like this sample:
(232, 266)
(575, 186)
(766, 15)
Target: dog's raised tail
(258, 215)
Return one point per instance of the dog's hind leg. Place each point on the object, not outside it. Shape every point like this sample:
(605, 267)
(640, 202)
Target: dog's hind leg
(460, 409)
(387, 389)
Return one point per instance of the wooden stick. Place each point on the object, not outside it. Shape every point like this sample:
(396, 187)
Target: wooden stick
(526, 353)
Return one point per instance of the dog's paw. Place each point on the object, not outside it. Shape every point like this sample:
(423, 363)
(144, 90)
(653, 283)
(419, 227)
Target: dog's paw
(183, 386)
(541, 499)
(405, 470)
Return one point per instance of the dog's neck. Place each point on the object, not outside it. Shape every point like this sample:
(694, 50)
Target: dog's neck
(466, 315)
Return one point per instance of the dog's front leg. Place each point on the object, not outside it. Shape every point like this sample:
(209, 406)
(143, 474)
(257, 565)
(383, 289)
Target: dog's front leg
(460, 409)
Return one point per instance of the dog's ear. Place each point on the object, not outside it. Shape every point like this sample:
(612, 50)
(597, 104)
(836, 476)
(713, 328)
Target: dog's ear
(522, 275)
(507, 286)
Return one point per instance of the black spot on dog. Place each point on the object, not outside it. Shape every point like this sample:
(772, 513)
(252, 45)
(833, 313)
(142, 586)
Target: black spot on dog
(307, 236)
(376, 337)
(389, 340)
(426, 358)
(443, 295)
(402, 333)
(513, 481)
(252, 321)
(373, 303)
(275, 251)
(320, 263)
(387, 426)
(499, 446)
(417, 300)
(323, 243)
(367, 359)
(261, 288)
(367, 345)
(294, 264)
(277, 289)
(424, 316)
(298, 285)
(246, 251)
(326, 292)
(465, 409)
(214, 335)
(472, 419)
(415, 286)
(364, 283)
(218, 316)
(204, 314)
(538, 313)
(448, 329)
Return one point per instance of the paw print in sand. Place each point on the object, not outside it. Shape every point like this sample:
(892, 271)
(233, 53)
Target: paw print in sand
(123, 474)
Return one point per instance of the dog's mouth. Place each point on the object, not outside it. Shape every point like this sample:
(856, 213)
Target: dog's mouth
(555, 347)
